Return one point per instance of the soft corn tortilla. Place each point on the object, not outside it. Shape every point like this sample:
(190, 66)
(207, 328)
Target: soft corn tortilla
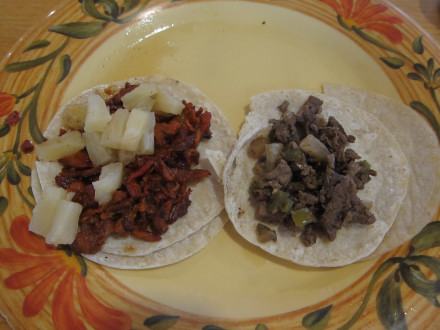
(206, 197)
(373, 143)
(166, 256)
(422, 150)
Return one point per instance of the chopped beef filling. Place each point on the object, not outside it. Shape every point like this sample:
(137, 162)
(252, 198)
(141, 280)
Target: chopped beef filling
(305, 178)
(154, 193)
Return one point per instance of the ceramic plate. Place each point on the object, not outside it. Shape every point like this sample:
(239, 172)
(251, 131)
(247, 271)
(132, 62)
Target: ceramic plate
(230, 50)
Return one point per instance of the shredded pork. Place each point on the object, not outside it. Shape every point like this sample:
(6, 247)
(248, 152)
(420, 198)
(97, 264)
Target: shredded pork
(154, 193)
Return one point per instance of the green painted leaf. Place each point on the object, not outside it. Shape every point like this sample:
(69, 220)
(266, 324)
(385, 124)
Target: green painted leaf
(433, 265)
(25, 170)
(426, 112)
(4, 129)
(111, 7)
(436, 75)
(34, 129)
(66, 249)
(427, 238)
(36, 134)
(417, 281)
(65, 65)
(2, 176)
(161, 322)
(393, 62)
(30, 192)
(359, 31)
(415, 76)
(3, 204)
(376, 276)
(3, 161)
(420, 68)
(430, 262)
(24, 198)
(212, 327)
(261, 326)
(434, 301)
(417, 45)
(89, 8)
(318, 319)
(132, 15)
(36, 45)
(28, 92)
(342, 23)
(430, 66)
(12, 174)
(79, 30)
(81, 262)
(389, 305)
(128, 5)
(26, 65)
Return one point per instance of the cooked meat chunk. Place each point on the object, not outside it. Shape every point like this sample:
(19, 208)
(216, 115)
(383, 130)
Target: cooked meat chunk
(339, 199)
(307, 199)
(307, 114)
(308, 236)
(285, 129)
(350, 154)
(263, 214)
(281, 173)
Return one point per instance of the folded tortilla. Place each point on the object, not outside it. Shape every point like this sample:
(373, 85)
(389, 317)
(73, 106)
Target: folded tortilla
(373, 142)
(422, 150)
(201, 223)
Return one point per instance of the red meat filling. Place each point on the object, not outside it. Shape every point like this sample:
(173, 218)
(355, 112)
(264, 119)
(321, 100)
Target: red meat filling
(154, 193)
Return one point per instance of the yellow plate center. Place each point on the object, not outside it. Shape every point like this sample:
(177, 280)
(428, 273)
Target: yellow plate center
(231, 51)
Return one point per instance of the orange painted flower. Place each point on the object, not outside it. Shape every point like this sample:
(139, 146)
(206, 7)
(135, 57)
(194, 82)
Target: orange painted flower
(51, 271)
(7, 103)
(362, 14)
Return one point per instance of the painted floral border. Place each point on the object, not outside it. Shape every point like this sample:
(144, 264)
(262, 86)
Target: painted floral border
(368, 21)
(61, 273)
(49, 271)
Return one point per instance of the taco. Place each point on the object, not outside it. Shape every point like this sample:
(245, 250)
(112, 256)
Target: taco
(140, 167)
(380, 196)
(421, 148)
